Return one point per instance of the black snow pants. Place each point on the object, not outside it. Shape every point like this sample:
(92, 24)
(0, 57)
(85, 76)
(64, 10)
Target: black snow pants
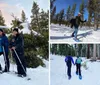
(78, 69)
(69, 65)
(20, 69)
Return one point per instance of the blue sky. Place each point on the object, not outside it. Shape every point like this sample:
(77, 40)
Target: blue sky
(63, 4)
(16, 6)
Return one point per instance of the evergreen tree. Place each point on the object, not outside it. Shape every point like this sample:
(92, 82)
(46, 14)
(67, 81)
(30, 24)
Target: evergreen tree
(52, 5)
(73, 10)
(68, 14)
(82, 9)
(2, 21)
(23, 16)
(16, 23)
(53, 14)
(57, 18)
(94, 7)
(40, 24)
(35, 17)
(61, 16)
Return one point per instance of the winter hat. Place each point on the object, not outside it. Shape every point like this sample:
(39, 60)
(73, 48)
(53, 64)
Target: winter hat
(15, 29)
(77, 56)
(1, 30)
(79, 13)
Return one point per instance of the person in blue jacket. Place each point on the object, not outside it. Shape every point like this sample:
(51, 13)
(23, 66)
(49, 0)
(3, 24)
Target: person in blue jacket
(4, 43)
(69, 60)
(78, 66)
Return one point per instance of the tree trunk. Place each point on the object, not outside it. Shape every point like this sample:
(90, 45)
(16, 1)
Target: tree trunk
(98, 51)
(94, 52)
(88, 51)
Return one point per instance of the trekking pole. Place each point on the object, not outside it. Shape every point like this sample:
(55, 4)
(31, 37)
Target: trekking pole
(65, 70)
(19, 61)
(5, 58)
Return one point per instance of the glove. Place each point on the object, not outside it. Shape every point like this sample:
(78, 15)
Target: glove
(71, 25)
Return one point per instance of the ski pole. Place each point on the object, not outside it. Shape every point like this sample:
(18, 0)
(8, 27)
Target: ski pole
(5, 58)
(19, 61)
(65, 70)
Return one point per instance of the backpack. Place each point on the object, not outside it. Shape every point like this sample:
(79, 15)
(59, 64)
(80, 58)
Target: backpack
(78, 60)
(73, 22)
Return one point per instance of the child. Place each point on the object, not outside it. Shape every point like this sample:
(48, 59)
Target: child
(69, 60)
(78, 66)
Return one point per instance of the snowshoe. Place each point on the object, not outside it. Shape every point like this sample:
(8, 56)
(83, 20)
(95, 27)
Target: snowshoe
(69, 77)
(76, 73)
(20, 75)
(80, 77)
(1, 72)
(76, 39)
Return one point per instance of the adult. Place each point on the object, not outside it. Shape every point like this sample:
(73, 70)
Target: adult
(17, 45)
(4, 49)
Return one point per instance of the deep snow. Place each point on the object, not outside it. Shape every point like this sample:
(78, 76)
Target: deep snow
(38, 75)
(59, 72)
(63, 34)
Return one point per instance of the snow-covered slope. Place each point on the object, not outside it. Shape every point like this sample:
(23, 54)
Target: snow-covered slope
(38, 76)
(26, 29)
(63, 34)
(59, 73)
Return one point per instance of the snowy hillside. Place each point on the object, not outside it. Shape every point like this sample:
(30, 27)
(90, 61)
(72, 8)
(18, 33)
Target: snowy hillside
(59, 75)
(63, 34)
(26, 29)
(38, 75)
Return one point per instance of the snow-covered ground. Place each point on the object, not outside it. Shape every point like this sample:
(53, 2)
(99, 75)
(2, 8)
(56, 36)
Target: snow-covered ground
(63, 34)
(59, 72)
(38, 75)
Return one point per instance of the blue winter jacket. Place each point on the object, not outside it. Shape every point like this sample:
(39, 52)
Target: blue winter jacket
(69, 60)
(4, 43)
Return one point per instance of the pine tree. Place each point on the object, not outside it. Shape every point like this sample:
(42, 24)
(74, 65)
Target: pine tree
(44, 17)
(23, 16)
(73, 10)
(2, 21)
(88, 51)
(16, 23)
(94, 7)
(61, 16)
(35, 18)
(52, 5)
(57, 18)
(68, 14)
(82, 9)
(53, 14)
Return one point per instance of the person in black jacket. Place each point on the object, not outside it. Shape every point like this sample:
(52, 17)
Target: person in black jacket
(17, 44)
(4, 49)
(76, 22)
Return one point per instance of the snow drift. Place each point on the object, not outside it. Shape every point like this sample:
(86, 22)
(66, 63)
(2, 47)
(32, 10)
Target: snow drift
(38, 75)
